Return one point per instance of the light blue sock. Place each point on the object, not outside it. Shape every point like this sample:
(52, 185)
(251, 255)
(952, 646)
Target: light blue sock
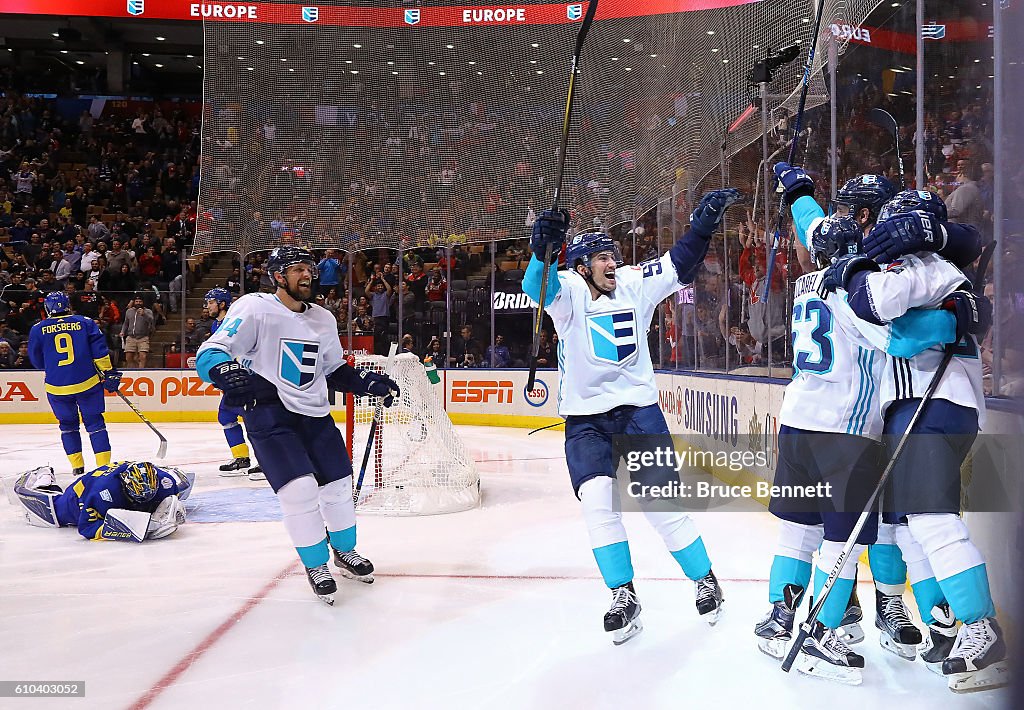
(968, 594)
(927, 594)
(615, 564)
(888, 567)
(832, 611)
(343, 540)
(314, 555)
(694, 560)
(787, 570)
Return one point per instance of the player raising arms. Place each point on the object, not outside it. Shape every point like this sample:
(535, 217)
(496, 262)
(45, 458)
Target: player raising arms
(73, 354)
(601, 313)
(277, 355)
(230, 418)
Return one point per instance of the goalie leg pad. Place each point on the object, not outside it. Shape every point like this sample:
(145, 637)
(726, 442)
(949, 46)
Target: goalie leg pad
(40, 509)
(125, 525)
(166, 518)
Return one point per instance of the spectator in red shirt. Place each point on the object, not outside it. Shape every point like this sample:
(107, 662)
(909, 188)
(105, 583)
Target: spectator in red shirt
(437, 287)
(150, 265)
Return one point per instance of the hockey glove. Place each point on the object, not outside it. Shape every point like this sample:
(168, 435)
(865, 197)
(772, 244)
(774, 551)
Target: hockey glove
(838, 275)
(350, 379)
(904, 233)
(380, 386)
(235, 381)
(709, 211)
(549, 228)
(111, 380)
(973, 313)
(795, 181)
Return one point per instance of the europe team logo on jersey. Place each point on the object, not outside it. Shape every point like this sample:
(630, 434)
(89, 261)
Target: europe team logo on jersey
(612, 335)
(136, 7)
(310, 14)
(298, 362)
(412, 16)
(574, 12)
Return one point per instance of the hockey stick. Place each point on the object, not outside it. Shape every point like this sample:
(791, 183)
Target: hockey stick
(806, 83)
(162, 449)
(538, 318)
(933, 385)
(885, 120)
(378, 412)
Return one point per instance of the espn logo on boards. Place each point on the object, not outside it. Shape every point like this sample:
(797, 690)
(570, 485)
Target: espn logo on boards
(479, 391)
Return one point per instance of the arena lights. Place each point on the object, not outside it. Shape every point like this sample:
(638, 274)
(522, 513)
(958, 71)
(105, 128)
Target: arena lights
(534, 45)
(159, 66)
(450, 46)
(160, 39)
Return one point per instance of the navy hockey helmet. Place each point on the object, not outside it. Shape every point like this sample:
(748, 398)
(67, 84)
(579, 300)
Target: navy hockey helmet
(56, 303)
(915, 200)
(834, 237)
(870, 191)
(585, 245)
(139, 482)
(219, 294)
(283, 257)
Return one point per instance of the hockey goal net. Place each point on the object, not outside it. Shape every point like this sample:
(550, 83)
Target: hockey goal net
(418, 465)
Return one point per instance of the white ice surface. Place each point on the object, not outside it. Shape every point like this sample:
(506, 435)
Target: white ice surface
(498, 607)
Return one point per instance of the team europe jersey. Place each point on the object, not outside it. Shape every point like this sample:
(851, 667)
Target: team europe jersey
(923, 281)
(69, 349)
(89, 498)
(604, 341)
(293, 351)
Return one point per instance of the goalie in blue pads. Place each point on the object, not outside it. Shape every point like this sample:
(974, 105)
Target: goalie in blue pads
(128, 501)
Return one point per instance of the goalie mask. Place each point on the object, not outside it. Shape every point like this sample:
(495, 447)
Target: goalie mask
(912, 201)
(834, 237)
(139, 482)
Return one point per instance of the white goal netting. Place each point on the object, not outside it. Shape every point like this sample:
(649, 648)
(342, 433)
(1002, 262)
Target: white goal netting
(417, 465)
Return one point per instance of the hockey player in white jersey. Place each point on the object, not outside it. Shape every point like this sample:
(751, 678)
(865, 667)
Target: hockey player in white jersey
(601, 311)
(862, 198)
(925, 484)
(829, 432)
(277, 356)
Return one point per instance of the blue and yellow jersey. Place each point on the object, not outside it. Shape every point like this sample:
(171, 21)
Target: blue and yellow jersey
(68, 349)
(89, 498)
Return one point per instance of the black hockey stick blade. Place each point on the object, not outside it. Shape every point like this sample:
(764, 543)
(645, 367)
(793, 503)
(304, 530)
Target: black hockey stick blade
(161, 450)
(887, 122)
(538, 320)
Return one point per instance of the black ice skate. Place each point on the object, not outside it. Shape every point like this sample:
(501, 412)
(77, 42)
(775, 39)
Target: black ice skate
(709, 598)
(978, 659)
(899, 634)
(235, 467)
(824, 655)
(941, 637)
(323, 583)
(623, 618)
(256, 473)
(850, 630)
(354, 566)
(76, 472)
(775, 631)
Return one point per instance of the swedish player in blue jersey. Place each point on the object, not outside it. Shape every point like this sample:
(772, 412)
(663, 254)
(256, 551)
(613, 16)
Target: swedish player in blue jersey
(73, 353)
(129, 501)
(230, 418)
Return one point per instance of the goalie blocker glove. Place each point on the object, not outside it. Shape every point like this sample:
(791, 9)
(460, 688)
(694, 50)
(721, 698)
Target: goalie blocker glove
(549, 228)
(235, 381)
(350, 379)
(794, 180)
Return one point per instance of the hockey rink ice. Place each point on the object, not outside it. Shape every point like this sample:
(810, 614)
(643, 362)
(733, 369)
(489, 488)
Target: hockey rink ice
(498, 607)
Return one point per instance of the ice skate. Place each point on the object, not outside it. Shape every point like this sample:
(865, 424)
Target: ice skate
(354, 566)
(824, 655)
(623, 618)
(235, 467)
(322, 582)
(941, 637)
(256, 473)
(775, 631)
(978, 659)
(850, 630)
(709, 598)
(898, 632)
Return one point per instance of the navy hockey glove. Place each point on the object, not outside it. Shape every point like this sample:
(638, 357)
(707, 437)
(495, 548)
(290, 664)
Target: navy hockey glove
(973, 313)
(111, 380)
(235, 381)
(349, 379)
(838, 275)
(549, 228)
(709, 211)
(904, 233)
(795, 181)
(381, 386)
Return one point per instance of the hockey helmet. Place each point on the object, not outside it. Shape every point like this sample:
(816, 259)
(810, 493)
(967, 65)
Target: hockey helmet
(915, 200)
(139, 482)
(283, 257)
(870, 191)
(834, 237)
(585, 245)
(219, 294)
(56, 303)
